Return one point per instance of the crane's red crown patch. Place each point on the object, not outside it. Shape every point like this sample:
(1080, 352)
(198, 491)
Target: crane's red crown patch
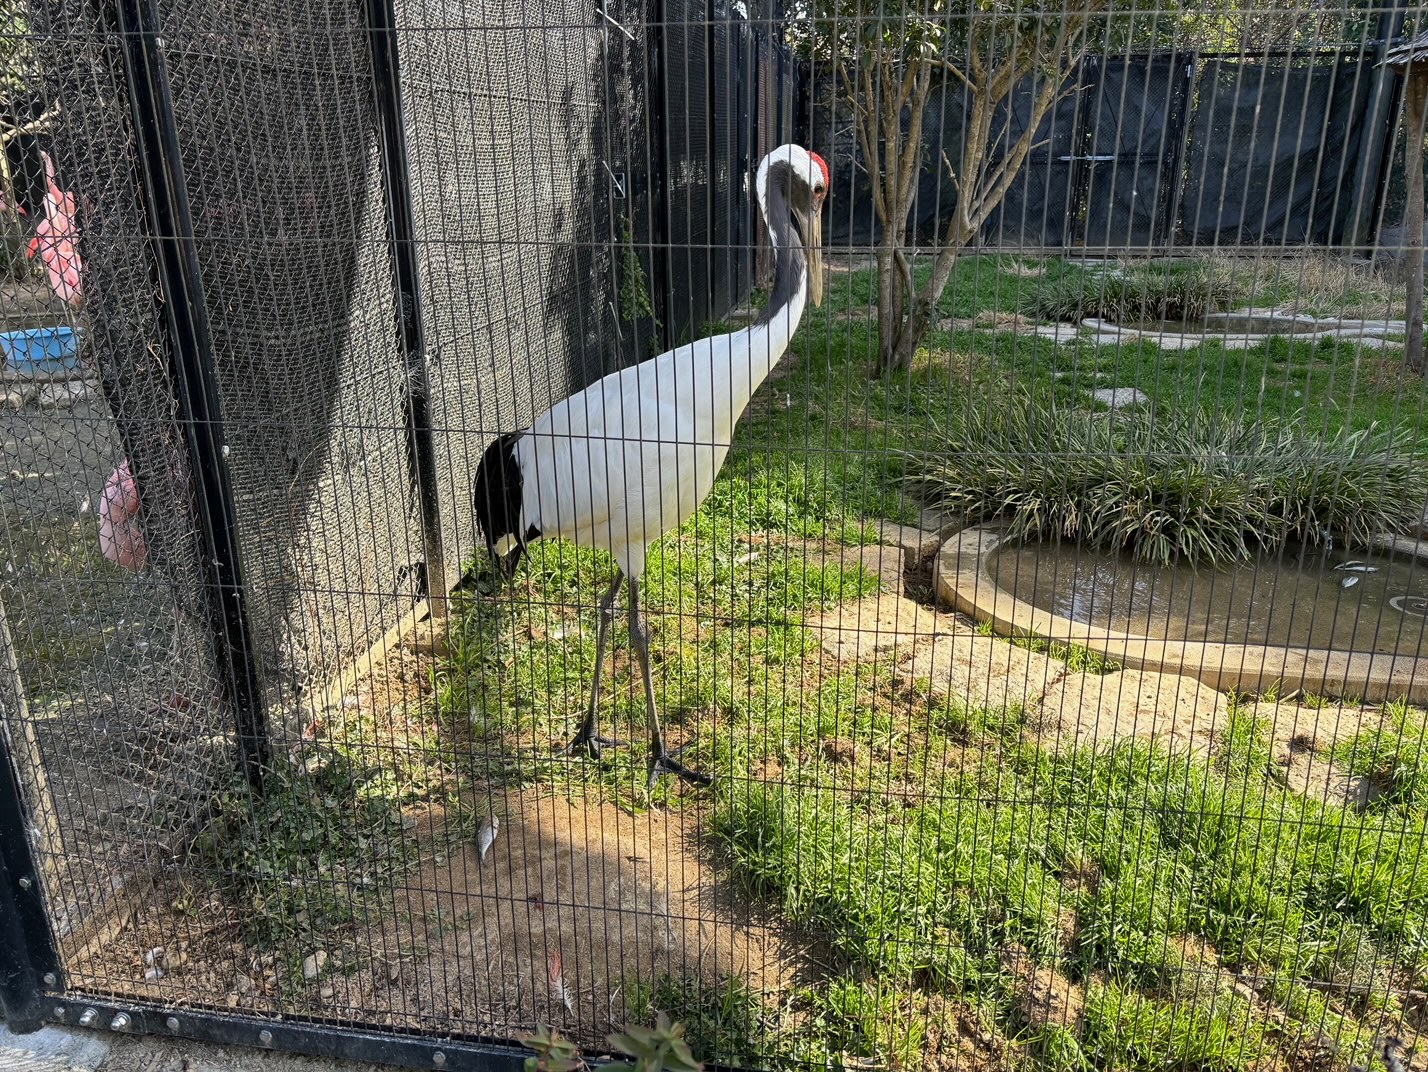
(823, 167)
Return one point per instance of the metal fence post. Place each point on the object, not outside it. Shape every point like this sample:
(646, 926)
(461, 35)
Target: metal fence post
(28, 961)
(195, 373)
(662, 223)
(406, 276)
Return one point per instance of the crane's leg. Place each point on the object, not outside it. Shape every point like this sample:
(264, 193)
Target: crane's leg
(662, 760)
(588, 736)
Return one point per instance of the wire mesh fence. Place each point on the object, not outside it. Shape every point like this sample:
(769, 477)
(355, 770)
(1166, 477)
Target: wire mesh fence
(980, 444)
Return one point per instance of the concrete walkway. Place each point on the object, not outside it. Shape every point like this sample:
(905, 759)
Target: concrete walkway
(63, 1049)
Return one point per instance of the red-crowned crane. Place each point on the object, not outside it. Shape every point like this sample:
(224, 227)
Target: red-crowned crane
(632, 456)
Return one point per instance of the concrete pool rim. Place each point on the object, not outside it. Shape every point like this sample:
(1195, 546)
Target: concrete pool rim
(963, 581)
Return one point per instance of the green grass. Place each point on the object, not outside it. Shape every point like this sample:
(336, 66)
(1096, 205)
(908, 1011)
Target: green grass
(1281, 886)
(953, 835)
(1394, 758)
(725, 1023)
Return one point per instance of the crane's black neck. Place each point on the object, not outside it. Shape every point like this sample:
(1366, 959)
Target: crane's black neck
(790, 265)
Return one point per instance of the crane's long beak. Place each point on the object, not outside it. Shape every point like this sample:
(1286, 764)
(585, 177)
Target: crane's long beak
(814, 243)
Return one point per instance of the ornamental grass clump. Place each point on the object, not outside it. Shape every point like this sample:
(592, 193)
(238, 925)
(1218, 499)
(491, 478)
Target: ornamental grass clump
(1202, 488)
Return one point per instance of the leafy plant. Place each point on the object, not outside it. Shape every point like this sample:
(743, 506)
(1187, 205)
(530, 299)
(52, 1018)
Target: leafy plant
(655, 1049)
(552, 1053)
(298, 857)
(725, 1021)
(658, 1049)
(1197, 486)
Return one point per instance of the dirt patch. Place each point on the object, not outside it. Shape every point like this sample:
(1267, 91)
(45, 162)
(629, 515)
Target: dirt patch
(877, 623)
(1302, 740)
(979, 671)
(574, 905)
(1087, 711)
(1045, 997)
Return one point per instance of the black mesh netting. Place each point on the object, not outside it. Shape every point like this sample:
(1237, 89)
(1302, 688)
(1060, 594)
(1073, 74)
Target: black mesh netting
(1268, 161)
(1110, 165)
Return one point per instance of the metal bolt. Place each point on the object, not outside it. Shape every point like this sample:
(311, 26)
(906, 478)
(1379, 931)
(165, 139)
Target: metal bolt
(25, 883)
(172, 1023)
(438, 1059)
(87, 1017)
(60, 1011)
(120, 1022)
(265, 1037)
(51, 979)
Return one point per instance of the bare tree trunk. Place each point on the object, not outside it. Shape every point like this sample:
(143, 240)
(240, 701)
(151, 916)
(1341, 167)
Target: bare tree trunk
(918, 321)
(1415, 105)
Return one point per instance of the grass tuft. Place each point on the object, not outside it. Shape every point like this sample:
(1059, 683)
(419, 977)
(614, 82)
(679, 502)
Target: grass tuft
(1133, 293)
(1204, 488)
(725, 1023)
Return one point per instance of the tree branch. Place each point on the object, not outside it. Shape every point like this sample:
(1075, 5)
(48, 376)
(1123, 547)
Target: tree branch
(34, 126)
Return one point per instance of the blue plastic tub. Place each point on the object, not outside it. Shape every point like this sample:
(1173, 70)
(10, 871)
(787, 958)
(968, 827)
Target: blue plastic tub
(40, 349)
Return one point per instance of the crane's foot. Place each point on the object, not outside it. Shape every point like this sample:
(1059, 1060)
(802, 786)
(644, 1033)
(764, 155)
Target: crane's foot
(592, 741)
(662, 761)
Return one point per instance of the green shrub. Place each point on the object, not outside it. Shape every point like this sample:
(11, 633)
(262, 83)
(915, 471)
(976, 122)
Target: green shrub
(1200, 487)
(1136, 292)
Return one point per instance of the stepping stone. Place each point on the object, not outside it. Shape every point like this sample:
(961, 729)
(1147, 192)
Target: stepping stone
(1120, 397)
(918, 545)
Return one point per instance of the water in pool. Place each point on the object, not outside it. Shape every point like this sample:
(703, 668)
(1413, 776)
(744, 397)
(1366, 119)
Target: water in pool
(1291, 600)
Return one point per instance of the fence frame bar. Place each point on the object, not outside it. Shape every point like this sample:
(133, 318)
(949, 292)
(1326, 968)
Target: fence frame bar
(406, 278)
(313, 1038)
(160, 163)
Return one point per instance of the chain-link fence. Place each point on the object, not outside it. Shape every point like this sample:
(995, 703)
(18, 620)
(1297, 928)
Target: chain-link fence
(1025, 509)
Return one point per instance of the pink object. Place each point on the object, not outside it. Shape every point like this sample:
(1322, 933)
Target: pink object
(121, 539)
(54, 241)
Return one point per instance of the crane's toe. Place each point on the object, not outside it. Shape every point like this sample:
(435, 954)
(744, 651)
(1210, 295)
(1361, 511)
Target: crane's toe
(662, 761)
(591, 743)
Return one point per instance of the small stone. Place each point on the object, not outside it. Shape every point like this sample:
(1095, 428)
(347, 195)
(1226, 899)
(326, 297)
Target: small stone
(154, 956)
(61, 394)
(17, 397)
(1120, 397)
(242, 983)
(153, 975)
(314, 964)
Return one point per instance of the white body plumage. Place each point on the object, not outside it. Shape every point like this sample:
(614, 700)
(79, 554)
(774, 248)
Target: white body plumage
(633, 455)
